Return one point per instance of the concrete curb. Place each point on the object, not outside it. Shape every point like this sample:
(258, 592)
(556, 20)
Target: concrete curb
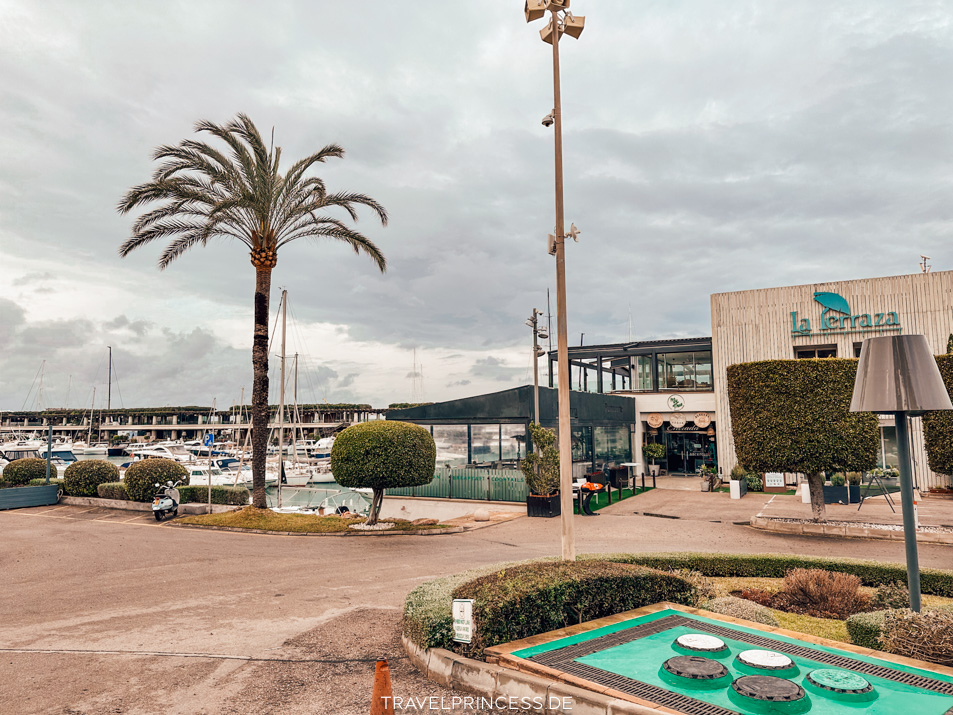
(123, 505)
(844, 530)
(491, 681)
(349, 533)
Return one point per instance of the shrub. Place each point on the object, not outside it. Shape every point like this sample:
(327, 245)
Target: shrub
(925, 636)
(738, 473)
(865, 629)
(41, 482)
(823, 594)
(937, 582)
(755, 484)
(198, 494)
(81, 479)
(383, 455)
(20, 471)
(112, 490)
(854, 478)
(704, 587)
(938, 426)
(740, 608)
(140, 477)
(534, 598)
(891, 595)
(541, 467)
(758, 595)
(838, 480)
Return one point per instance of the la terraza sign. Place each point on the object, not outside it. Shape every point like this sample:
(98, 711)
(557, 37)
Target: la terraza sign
(837, 319)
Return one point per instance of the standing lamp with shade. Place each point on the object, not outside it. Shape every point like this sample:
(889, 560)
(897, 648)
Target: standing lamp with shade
(898, 375)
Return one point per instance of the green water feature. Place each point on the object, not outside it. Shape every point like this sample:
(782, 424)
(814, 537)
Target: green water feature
(799, 676)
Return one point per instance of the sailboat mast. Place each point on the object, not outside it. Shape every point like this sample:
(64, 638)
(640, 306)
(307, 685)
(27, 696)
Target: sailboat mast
(109, 384)
(92, 408)
(281, 394)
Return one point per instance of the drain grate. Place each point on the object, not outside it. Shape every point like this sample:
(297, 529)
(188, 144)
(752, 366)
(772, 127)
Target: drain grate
(651, 693)
(610, 640)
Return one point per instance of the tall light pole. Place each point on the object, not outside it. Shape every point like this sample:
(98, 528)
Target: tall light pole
(538, 333)
(561, 22)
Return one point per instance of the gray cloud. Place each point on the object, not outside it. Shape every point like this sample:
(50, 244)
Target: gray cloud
(707, 148)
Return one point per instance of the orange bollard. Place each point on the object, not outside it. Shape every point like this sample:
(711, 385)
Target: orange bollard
(382, 700)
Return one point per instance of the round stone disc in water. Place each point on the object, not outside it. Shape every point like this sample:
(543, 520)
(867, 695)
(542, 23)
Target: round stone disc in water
(839, 681)
(765, 660)
(695, 667)
(700, 642)
(768, 688)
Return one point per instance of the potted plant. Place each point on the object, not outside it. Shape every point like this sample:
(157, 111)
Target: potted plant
(840, 492)
(709, 476)
(541, 471)
(653, 451)
(738, 486)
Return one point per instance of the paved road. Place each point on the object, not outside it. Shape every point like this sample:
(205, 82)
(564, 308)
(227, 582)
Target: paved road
(253, 623)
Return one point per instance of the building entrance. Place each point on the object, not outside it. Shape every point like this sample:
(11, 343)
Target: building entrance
(688, 451)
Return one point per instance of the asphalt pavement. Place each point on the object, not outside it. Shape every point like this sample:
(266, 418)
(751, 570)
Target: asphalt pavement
(110, 612)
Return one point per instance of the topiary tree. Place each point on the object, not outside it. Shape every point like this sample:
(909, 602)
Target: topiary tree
(949, 345)
(938, 425)
(82, 479)
(21, 471)
(653, 451)
(141, 477)
(794, 416)
(383, 455)
(541, 466)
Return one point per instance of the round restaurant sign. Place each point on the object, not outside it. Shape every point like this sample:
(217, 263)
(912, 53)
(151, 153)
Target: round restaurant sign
(677, 421)
(676, 403)
(702, 419)
(654, 420)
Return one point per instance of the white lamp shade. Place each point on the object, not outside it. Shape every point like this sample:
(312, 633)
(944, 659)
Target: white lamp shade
(898, 373)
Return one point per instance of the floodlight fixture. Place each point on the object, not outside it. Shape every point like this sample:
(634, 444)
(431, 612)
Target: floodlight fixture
(535, 9)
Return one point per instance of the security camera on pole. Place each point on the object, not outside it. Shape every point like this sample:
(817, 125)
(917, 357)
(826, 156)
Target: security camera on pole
(561, 22)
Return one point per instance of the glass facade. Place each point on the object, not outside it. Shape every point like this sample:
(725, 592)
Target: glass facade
(452, 443)
(484, 444)
(512, 443)
(612, 444)
(888, 447)
(684, 372)
(687, 452)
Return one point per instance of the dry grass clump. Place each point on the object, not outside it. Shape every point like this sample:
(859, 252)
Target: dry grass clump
(740, 608)
(924, 636)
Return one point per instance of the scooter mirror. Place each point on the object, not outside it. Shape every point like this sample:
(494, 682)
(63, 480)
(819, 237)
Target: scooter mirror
(169, 484)
(157, 483)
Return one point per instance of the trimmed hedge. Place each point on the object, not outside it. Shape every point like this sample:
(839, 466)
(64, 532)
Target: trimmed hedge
(42, 482)
(741, 608)
(525, 600)
(81, 479)
(937, 582)
(865, 629)
(112, 490)
(140, 477)
(20, 471)
(198, 494)
(794, 416)
(938, 426)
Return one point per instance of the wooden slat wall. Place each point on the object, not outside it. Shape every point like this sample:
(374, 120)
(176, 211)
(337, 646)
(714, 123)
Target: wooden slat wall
(756, 325)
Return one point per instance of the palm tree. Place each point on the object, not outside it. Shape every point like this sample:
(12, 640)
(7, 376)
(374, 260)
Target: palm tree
(239, 194)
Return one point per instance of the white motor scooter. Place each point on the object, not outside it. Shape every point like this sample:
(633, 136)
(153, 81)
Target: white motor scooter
(166, 500)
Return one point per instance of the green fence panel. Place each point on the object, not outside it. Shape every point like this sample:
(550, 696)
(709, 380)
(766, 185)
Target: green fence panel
(470, 483)
(507, 485)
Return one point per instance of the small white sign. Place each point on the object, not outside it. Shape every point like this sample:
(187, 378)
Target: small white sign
(774, 480)
(462, 620)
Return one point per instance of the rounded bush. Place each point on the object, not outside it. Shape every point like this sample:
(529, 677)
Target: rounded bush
(865, 629)
(21, 471)
(383, 455)
(81, 479)
(140, 478)
(740, 608)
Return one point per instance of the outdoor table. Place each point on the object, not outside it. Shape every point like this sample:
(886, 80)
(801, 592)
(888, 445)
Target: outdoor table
(636, 466)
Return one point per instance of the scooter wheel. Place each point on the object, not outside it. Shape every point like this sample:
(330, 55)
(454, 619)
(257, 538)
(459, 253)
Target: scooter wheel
(157, 515)
(175, 513)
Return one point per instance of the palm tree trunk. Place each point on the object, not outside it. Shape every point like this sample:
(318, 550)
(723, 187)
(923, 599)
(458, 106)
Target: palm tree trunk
(259, 392)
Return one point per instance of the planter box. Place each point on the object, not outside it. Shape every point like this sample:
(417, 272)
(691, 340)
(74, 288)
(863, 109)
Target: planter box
(738, 488)
(841, 495)
(20, 497)
(543, 506)
(654, 469)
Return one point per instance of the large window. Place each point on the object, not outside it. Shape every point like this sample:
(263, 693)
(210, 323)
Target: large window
(819, 351)
(512, 443)
(643, 373)
(485, 443)
(685, 371)
(888, 447)
(612, 444)
(451, 442)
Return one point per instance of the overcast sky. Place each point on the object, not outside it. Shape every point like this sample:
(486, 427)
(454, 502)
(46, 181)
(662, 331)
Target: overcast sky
(709, 147)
